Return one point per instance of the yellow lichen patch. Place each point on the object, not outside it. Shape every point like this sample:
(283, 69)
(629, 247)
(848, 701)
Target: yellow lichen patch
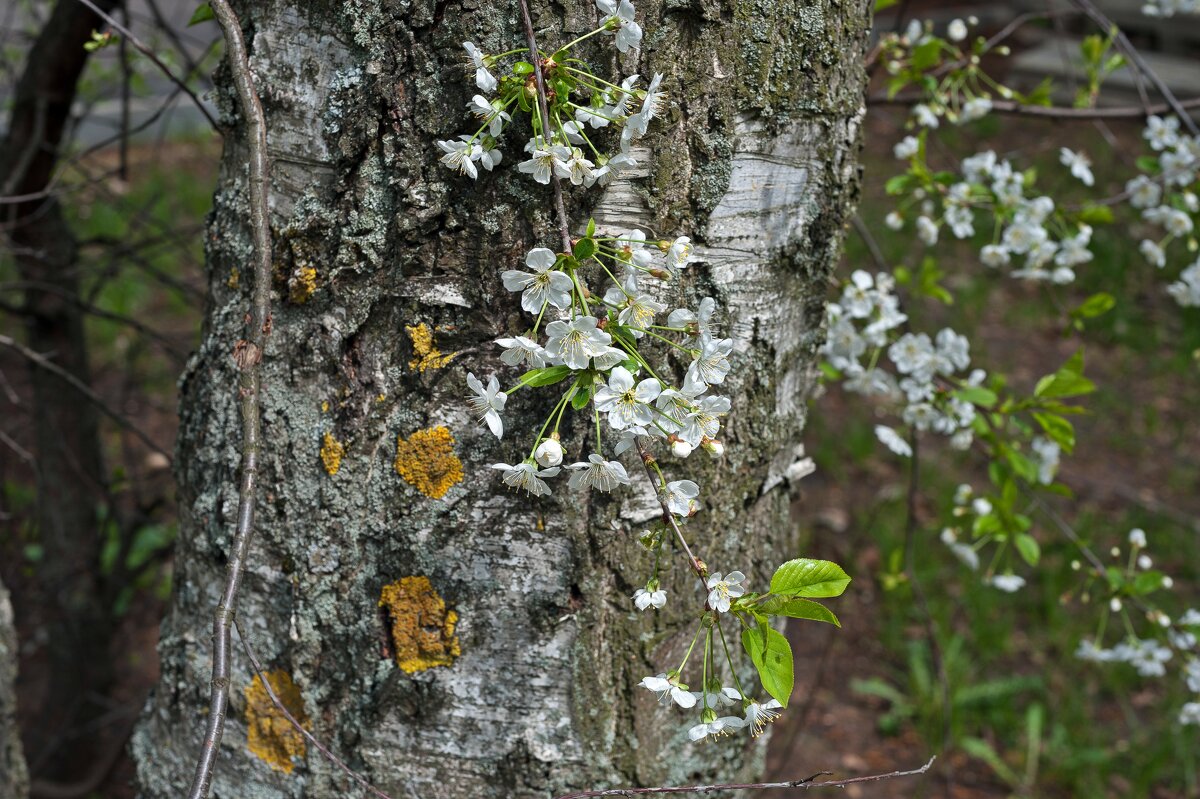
(234, 277)
(428, 356)
(302, 284)
(325, 406)
(427, 462)
(270, 735)
(332, 453)
(422, 628)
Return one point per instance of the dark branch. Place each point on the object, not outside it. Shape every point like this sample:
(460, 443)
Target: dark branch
(1055, 112)
(564, 226)
(287, 714)
(808, 783)
(42, 362)
(146, 51)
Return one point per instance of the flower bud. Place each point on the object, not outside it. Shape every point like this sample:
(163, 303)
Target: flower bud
(1114, 604)
(680, 448)
(548, 453)
(715, 448)
(661, 274)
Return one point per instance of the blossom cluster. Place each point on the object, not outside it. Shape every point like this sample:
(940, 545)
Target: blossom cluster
(1165, 196)
(576, 101)
(1151, 656)
(864, 323)
(592, 348)
(1024, 227)
(599, 314)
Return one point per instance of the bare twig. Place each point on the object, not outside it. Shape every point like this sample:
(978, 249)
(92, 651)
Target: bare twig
(864, 233)
(1054, 111)
(330, 756)
(544, 109)
(42, 362)
(248, 355)
(146, 51)
(808, 783)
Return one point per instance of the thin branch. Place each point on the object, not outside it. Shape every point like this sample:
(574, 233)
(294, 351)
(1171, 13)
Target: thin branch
(1097, 16)
(864, 233)
(668, 517)
(248, 354)
(146, 51)
(52, 184)
(564, 227)
(11, 443)
(808, 783)
(330, 756)
(1054, 111)
(50, 366)
(90, 309)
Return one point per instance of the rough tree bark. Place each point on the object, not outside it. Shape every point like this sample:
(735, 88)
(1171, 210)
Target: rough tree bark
(524, 682)
(14, 776)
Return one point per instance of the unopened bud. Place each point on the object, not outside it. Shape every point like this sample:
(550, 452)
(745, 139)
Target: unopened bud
(680, 448)
(715, 448)
(661, 274)
(548, 453)
(1115, 605)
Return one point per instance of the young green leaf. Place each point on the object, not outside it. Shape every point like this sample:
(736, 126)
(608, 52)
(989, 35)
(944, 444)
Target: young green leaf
(773, 661)
(795, 608)
(1027, 545)
(545, 377)
(805, 577)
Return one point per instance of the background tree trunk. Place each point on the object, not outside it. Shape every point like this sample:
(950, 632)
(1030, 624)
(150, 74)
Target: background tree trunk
(755, 160)
(14, 777)
(71, 479)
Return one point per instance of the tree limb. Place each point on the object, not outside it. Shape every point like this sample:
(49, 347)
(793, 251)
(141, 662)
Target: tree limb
(807, 784)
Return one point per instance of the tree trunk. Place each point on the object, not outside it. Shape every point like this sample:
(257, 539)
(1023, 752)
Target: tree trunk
(71, 479)
(524, 682)
(14, 777)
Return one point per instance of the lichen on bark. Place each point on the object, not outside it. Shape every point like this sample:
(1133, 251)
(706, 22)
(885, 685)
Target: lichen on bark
(543, 697)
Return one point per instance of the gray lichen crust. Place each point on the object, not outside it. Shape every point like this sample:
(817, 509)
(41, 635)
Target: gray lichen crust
(387, 263)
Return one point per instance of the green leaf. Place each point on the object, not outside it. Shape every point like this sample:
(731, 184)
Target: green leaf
(1147, 163)
(805, 577)
(897, 184)
(1023, 466)
(580, 400)
(1095, 215)
(1095, 305)
(880, 5)
(1147, 582)
(1059, 430)
(591, 227)
(1027, 545)
(927, 55)
(585, 248)
(773, 661)
(522, 68)
(545, 377)
(977, 395)
(799, 609)
(203, 13)
(1068, 381)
